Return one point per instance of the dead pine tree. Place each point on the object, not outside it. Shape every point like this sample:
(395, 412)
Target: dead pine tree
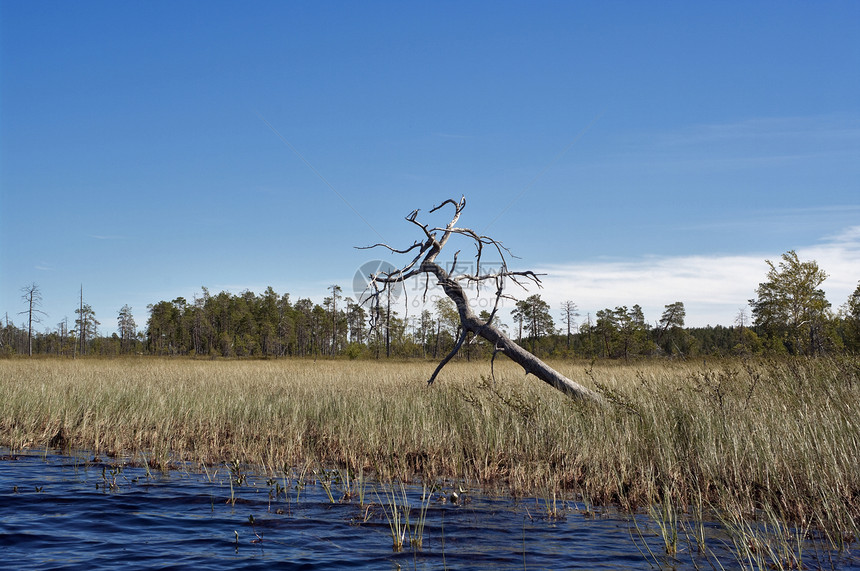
(424, 264)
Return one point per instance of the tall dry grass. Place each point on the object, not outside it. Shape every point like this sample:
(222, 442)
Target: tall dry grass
(734, 437)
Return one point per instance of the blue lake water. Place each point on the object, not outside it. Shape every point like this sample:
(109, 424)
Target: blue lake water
(62, 512)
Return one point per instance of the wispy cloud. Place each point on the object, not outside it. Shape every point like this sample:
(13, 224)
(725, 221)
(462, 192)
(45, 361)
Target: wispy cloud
(107, 237)
(453, 136)
(771, 129)
(849, 236)
(751, 143)
(777, 219)
(713, 288)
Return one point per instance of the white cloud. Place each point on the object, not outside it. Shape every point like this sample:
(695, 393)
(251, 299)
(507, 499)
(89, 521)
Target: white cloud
(839, 256)
(713, 288)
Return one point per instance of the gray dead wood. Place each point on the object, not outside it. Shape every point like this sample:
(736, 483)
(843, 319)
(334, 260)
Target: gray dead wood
(424, 264)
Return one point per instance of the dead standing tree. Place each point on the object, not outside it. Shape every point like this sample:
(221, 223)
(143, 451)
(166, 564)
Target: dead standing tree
(424, 264)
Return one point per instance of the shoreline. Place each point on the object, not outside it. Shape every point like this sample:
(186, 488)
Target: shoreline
(737, 436)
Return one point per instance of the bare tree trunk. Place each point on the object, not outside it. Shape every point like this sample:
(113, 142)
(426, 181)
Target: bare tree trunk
(528, 361)
(425, 263)
(82, 328)
(33, 297)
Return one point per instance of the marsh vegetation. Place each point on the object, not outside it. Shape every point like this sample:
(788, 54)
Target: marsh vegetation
(768, 448)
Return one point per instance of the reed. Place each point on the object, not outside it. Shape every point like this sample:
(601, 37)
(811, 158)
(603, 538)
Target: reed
(396, 508)
(398, 512)
(736, 436)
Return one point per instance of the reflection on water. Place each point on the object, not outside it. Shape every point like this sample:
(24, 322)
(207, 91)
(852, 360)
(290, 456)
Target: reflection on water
(59, 512)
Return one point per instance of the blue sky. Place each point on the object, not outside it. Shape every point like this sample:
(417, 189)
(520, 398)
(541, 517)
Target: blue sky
(636, 152)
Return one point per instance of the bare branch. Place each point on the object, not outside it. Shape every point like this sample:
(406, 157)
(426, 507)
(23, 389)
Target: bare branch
(531, 275)
(428, 233)
(393, 250)
(496, 350)
(449, 356)
(459, 206)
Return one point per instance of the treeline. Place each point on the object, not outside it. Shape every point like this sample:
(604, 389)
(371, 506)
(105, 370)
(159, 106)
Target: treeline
(790, 314)
(249, 325)
(271, 325)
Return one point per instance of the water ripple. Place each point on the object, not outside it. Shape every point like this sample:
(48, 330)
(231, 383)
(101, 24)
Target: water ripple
(62, 513)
